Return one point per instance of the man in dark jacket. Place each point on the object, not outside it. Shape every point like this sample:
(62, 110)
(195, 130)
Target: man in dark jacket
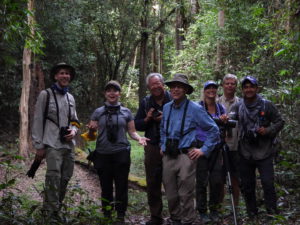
(259, 123)
(148, 119)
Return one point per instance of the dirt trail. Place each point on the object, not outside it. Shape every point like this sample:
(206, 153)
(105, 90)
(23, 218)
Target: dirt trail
(83, 178)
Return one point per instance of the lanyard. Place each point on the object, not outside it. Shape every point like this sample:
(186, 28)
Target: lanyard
(182, 121)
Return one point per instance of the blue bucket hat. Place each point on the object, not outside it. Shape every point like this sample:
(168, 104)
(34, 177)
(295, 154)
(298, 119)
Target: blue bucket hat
(210, 83)
(250, 79)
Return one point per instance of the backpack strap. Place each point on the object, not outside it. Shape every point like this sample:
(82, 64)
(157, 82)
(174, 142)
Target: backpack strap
(46, 109)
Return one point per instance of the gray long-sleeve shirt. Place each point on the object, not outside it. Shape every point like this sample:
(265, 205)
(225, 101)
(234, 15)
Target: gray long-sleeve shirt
(49, 135)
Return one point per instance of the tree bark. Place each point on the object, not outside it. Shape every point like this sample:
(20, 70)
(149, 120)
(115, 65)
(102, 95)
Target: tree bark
(24, 136)
(143, 51)
(36, 86)
(195, 7)
(220, 48)
(161, 53)
(179, 37)
(154, 55)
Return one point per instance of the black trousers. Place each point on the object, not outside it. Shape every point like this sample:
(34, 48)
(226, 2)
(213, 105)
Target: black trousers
(153, 168)
(248, 179)
(209, 171)
(114, 169)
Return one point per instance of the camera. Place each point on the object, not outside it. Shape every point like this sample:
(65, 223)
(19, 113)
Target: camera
(156, 113)
(225, 128)
(251, 136)
(228, 124)
(172, 147)
(63, 132)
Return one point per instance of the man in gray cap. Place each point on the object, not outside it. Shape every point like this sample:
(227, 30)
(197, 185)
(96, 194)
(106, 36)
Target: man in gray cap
(55, 125)
(259, 123)
(180, 151)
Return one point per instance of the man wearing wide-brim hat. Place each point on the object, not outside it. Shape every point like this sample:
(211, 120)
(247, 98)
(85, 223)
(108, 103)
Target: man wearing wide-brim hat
(55, 125)
(180, 150)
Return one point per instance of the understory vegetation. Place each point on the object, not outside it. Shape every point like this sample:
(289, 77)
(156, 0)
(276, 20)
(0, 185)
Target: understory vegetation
(125, 40)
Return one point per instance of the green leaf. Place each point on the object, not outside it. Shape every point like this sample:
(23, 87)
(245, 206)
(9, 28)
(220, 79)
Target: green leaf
(280, 52)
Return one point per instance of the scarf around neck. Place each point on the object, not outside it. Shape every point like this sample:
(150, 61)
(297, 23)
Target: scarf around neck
(59, 89)
(249, 115)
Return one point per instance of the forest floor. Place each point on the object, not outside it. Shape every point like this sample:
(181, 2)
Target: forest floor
(85, 185)
(83, 179)
(87, 181)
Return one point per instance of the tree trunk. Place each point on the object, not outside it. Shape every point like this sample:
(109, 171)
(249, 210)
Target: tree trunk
(161, 53)
(143, 51)
(179, 37)
(220, 48)
(24, 136)
(36, 86)
(154, 55)
(195, 7)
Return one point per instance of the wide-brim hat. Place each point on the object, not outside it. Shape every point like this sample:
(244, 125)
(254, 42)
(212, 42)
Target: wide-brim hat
(210, 83)
(113, 83)
(54, 70)
(249, 79)
(180, 78)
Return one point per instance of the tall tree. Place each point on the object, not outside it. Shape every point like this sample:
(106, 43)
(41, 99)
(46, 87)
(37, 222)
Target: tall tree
(27, 74)
(220, 47)
(144, 49)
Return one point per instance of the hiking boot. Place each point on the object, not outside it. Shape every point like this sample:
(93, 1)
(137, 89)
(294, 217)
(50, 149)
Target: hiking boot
(173, 222)
(155, 222)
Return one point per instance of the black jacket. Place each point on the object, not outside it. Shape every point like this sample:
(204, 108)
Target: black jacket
(151, 128)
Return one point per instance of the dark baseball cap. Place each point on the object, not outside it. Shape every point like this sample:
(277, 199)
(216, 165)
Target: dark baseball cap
(210, 83)
(250, 79)
(113, 83)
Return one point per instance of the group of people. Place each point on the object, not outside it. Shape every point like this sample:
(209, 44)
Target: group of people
(183, 145)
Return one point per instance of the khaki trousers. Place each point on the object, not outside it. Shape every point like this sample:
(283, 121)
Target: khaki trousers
(60, 166)
(179, 183)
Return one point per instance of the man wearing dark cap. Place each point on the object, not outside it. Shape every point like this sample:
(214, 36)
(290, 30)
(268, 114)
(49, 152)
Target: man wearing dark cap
(55, 125)
(178, 136)
(259, 123)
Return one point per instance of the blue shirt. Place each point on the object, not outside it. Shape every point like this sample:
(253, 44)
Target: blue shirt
(196, 116)
(201, 134)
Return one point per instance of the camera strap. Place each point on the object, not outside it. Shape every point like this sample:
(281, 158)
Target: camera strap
(182, 121)
(57, 108)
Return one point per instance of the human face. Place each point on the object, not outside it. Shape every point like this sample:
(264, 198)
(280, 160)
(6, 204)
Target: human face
(210, 92)
(249, 91)
(155, 86)
(229, 87)
(178, 91)
(63, 77)
(112, 95)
